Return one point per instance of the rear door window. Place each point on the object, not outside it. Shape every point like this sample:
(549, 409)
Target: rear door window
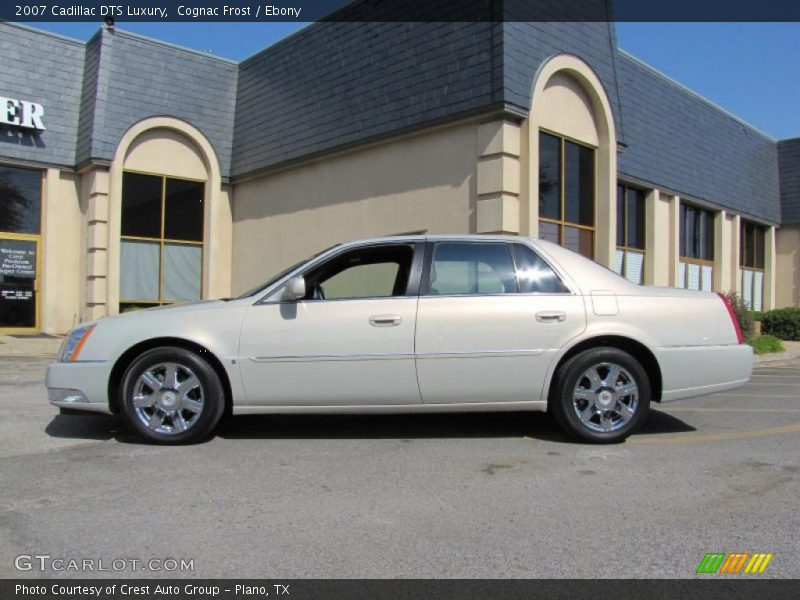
(534, 274)
(471, 268)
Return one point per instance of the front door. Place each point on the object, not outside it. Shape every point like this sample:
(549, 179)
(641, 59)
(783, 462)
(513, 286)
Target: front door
(491, 317)
(20, 249)
(349, 341)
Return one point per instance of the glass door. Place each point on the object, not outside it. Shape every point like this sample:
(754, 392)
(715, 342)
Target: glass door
(20, 252)
(19, 272)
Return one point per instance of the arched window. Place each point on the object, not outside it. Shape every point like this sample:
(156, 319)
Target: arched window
(572, 147)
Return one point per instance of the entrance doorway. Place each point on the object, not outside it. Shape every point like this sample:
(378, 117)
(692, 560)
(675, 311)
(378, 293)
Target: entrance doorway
(20, 249)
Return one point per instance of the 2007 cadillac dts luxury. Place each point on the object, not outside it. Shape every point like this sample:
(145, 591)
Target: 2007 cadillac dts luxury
(411, 324)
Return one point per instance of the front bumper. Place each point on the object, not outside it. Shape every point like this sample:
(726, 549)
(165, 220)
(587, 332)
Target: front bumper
(79, 385)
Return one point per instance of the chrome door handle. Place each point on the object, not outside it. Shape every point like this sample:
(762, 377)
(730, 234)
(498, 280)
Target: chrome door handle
(385, 320)
(551, 317)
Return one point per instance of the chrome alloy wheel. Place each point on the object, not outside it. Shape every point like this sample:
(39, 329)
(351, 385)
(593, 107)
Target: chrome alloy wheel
(168, 398)
(605, 397)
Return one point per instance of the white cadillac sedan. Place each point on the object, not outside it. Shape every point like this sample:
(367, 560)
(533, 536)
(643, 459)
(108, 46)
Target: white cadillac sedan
(411, 324)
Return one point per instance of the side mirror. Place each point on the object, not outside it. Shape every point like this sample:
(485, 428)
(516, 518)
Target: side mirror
(295, 289)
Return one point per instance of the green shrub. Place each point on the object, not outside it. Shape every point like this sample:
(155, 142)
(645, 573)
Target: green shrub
(743, 314)
(756, 314)
(133, 307)
(766, 344)
(783, 323)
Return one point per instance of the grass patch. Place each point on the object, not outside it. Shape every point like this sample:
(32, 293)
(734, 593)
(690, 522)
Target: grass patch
(766, 344)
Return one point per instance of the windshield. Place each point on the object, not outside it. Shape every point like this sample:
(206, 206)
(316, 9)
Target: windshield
(283, 274)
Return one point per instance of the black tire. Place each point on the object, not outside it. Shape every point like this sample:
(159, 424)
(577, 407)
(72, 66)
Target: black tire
(208, 397)
(565, 408)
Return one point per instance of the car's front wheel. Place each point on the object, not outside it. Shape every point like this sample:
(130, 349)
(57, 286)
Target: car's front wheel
(171, 396)
(601, 395)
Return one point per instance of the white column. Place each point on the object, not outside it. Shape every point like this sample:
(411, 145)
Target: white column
(770, 265)
(722, 252)
(674, 243)
(98, 267)
(736, 234)
(657, 239)
(498, 174)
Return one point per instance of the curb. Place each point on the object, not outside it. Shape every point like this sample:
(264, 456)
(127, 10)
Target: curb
(15, 346)
(775, 357)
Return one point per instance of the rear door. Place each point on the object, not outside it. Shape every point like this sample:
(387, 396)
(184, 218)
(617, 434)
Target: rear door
(490, 319)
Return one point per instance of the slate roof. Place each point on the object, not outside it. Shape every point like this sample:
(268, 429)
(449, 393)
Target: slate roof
(334, 85)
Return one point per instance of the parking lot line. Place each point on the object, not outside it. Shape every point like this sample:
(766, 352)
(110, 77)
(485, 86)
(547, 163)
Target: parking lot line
(728, 409)
(688, 438)
(789, 397)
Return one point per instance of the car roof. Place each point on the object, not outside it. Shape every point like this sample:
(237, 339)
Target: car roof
(472, 237)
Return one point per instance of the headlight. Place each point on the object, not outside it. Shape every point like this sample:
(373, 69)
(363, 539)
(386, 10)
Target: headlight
(73, 344)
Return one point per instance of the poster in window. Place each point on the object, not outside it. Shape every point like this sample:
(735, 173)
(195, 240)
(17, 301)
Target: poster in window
(17, 289)
(681, 274)
(17, 259)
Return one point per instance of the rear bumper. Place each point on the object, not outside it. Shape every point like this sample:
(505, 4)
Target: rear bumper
(79, 385)
(699, 370)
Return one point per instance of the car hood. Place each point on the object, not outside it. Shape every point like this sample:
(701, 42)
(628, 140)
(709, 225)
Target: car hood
(183, 307)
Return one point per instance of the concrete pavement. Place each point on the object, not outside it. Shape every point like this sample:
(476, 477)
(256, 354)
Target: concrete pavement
(493, 495)
(29, 345)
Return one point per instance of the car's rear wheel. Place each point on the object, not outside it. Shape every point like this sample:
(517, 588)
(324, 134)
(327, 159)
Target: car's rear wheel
(601, 395)
(171, 396)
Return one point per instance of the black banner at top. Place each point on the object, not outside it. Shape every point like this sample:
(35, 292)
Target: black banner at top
(399, 10)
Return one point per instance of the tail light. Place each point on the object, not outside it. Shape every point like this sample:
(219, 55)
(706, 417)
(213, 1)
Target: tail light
(732, 315)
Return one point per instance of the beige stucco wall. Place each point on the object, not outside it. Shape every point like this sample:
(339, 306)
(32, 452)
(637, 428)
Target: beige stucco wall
(62, 241)
(166, 152)
(424, 182)
(565, 108)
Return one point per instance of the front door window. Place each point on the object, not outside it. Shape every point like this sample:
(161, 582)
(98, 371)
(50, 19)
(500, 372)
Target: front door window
(372, 272)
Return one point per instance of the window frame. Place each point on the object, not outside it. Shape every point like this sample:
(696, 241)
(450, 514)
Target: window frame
(754, 227)
(624, 247)
(698, 210)
(412, 287)
(692, 260)
(162, 242)
(562, 223)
